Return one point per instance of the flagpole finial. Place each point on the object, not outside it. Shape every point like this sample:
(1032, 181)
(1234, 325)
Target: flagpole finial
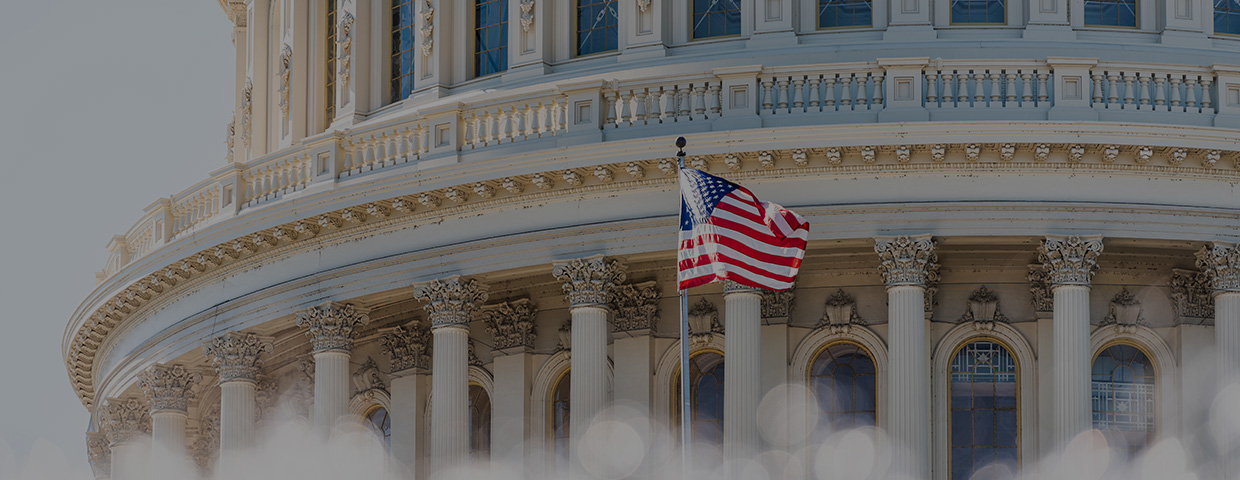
(680, 144)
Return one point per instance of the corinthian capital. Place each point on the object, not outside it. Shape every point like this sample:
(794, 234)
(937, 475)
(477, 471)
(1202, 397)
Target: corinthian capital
(512, 324)
(907, 260)
(125, 419)
(169, 387)
(590, 281)
(99, 454)
(408, 348)
(236, 355)
(1070, 260)
(451, 301)
(330, 325)
(1221, 264)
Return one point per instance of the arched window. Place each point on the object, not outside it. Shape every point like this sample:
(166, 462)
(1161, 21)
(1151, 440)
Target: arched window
(382, 423)
(845, 13)
(490, 37)
(479, 422)
(706, 397)
(979, 11)
(842, 379)
(1111, 13)
(403, 51)
(329, 64)
(716, 18)
(1123, 396)
(984, 410)
(597, 26)
(559, 421)
(1227, 17)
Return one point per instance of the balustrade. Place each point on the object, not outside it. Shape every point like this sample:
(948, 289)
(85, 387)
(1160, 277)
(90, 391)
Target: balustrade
(832, 90)
(997, 86)
(651, 104)
(511, 122)
(1128, 87)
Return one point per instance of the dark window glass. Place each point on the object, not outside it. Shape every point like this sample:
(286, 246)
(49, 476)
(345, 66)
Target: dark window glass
(559, 422)
(490, 36)
(706, 397)
(1123, 397)
(597, 26)
(979, 11)
(845, 13)
(402, 49)
(984, 412)
(382, 423)
(1227, 16)
(716, 18)
(1111, 13)
(479, 423)
(329, 48)
(842, 379)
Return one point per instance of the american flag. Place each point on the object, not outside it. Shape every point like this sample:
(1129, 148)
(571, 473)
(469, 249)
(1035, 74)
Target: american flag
(726, 233)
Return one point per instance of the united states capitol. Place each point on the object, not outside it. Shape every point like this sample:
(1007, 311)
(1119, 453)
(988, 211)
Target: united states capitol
(444, 240)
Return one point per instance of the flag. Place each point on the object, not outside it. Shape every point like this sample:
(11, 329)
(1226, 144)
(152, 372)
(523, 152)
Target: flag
(726, 233)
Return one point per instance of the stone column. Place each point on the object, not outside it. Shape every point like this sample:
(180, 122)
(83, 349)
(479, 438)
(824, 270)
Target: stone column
(450, 304)
(408, 349)
(1069, 263)
(907, 263)
(742, 382)
(511, 325)
(100, 454)
(589, 283)
(1221, 264)
(127, 423)
(330, 328)
(236, 361)
(169, 389)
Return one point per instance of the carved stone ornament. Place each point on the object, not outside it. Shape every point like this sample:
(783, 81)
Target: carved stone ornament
(451, 301)
(265, 396)
(840, 313)
(344, 54)
(566, 336)
(511, 324)
(590, 281)
(285, 65)
(330, 326)
(1221, 264)
(367, 378)
(1070, 260)
(237, 355)
(168, 387)
(643, 6)
(247, 110)
(527, 15)
(125, 420)
(1192, 296)
(1040, 288)
(734, 287)
(1125, 311)
(777, 305)
(982, 306)
(99, 453)
(408, 347)
(428, 27)
(636, 307)
(205, 448)
(907, 260)
(703, 322)
(473, 355)
(229, 140)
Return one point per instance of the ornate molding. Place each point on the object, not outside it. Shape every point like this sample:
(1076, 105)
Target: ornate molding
(125, 420)
(168, 387)
(1070, 260)
(367, 378)
(907, 260)
(230, 139)
(636, 307)
(247, 112)
(735, 287)
(527, 15)
(206, 447)
(703, 322)
(643, 6)
(451, 301)
(511, 324)
(344, 54)
(840, 313)
(99, 452)
(428, 27)
(408, 348)
(1125, 312)
(565, 333)
(237, 355)
(777, 305)
(1192, 296)
(982, 306)
(331, 325)
(1040, 288)
(285, 65)
(1221, 264)
(266, 393)
(590, 281)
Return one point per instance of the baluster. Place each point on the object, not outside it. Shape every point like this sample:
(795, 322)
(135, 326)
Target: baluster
(782, 92)
(474, 136)
(814, 99)
(829, 91)
(714, 101)
(932, 88)
(669, 104)
(1175, 93)
(625, 111)
(699, 101)
(947, 99)
(767, 102)
(979, 89)
(1112, 90)
(684, 98)
(1159, 91)
(639, 115)
(1097, 78)
(863, 96)
(609, 106)
(1026, 89)
(845, 91)
(798, 94)
(1207, 104)
(1143, 91)
(877, 103)
(1129, 86)
(1190, 93)
(996, 89)
(1010, 86)
(1043, 92)
(962, 89)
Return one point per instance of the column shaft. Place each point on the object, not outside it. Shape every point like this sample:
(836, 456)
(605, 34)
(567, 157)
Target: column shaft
(1227, 333)
(510, 421)
(168, 431)
(331, 389)
(1071, 397)
(129, 461)
(449, 397)
(909, 389)
(588, 371)
(409, 443)
(237, 415)
(742, 383)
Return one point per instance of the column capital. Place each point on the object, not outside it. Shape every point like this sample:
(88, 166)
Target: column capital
(907, 260)
(408, 347)
(236, 355)
(1070, 260)
(1220, 262)
(512, 325)
(330, 325)
(730, 287)
(168, 387)
(451, 301)
(125, 419)
(237, 13)
(636, 306)
(99, 453)
(589, 281)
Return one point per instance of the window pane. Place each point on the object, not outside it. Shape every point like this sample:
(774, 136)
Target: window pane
(402, 49)
(559, 419)
(984, 408)
(1123, 394)
(490, 37)
(1111, 13)
(716, 18)
(842, 378)
(597, 26)
(479, 423)
(979, 11)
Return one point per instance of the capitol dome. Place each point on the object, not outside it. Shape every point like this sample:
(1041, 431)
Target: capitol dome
(454, 224)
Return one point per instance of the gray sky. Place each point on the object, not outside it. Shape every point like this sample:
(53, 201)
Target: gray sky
(106, 107)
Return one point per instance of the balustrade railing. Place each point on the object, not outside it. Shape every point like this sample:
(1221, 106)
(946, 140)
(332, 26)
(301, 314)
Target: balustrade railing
(514, 121)
(988, 86)
(1148, 88)
(651, 103)
(833, 89)
(385, 147)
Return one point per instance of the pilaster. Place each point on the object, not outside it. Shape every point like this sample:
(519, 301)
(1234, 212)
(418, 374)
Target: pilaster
(437, 23)
(531, 25)
(354, 27)
(408, 348)
(256, 102)
(644, 28)
(1069, 263)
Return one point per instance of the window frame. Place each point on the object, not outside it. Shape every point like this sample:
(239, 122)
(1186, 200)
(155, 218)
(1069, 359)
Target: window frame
(1019, 404)
(555, 385)
(1136, 16)
(574, 8)
(1158, 381)
(472, 39)
(815, 5)
(1213, 22)
(676, 402)
(386, 435)
(331, 18)
(692, 13)
(390, 76)
(1007, 17)
(813, 359)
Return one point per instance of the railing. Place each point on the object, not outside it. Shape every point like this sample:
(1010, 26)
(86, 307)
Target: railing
(841, 93)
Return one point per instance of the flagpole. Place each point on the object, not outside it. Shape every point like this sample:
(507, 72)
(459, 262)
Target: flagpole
(686, 412)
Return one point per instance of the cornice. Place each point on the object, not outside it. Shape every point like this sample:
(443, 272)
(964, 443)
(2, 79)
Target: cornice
(92, 325)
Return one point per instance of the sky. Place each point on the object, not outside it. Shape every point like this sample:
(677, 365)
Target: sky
(105, 107)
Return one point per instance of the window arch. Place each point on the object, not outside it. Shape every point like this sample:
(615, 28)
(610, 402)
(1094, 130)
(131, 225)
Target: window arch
(378, 419)
(490, 37)
(403, 51)
(706, 397)
(716, 18)
(598, 26)
(983, 380)
(479, 422)
(843, 379)
(559, 420)
(1123, 395)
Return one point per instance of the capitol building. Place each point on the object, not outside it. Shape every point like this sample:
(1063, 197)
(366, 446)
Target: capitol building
(451, 225)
